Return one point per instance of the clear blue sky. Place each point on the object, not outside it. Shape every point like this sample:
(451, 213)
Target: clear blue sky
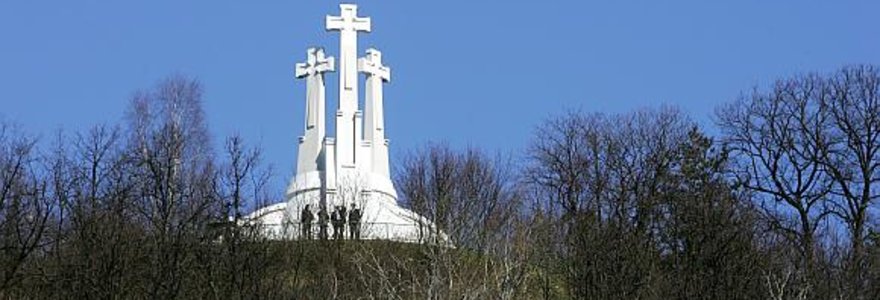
(480, 73)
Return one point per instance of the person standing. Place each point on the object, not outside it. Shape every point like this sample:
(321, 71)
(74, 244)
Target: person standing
(322, 223)
(354, 223)
(306, 218)
(337, 224)
(342, 218)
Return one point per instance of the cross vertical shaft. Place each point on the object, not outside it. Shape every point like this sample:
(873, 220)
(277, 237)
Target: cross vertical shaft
(347, 138)
(310, 143)
(374, 122)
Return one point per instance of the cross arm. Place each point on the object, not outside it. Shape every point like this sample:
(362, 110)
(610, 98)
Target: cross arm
(342, 23)
(371, 68)
(362, 24)
(372, 64)
(335, 23)
(327, 64)
(302, 70)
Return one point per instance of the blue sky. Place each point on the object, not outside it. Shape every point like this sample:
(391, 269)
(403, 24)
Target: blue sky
(480, 73)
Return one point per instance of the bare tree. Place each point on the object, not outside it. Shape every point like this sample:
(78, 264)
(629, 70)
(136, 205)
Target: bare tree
(470, 198)
(238, 261)
(601, 180)
(851, 157)
(776, 138)
(466, 194)
(171, 149)
(812, 144)
(24, 208)
(94, 189)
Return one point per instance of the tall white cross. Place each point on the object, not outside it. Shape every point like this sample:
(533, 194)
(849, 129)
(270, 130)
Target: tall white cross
(314, 67)
(348, 119)
(377, 74)
(348, 24)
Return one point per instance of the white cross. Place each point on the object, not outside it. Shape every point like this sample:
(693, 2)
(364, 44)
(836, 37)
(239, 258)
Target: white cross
(377, 74)
(348, 24)
(348, 20)
(316, 63)
(372, 65)
(314, 67)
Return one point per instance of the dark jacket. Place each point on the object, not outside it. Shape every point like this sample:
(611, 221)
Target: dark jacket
(354, 217)
(306, 216)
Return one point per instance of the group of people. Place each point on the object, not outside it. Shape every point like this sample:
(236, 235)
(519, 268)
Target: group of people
(337, 218)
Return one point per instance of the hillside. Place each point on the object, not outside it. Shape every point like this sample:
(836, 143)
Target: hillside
(384, 269)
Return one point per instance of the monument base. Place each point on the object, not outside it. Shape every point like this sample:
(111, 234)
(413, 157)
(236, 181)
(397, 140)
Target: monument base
(382, 218)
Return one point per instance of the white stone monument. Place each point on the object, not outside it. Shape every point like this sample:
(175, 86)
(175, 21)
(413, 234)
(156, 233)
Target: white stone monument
(352, 167)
